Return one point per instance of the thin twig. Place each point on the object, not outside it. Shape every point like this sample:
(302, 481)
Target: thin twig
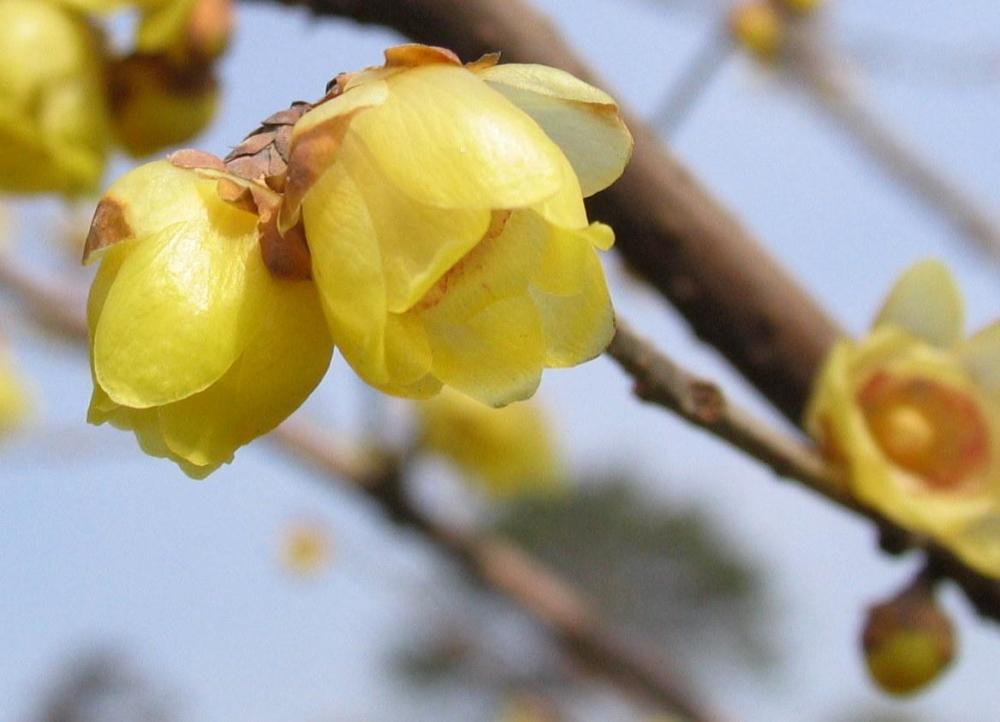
(815, 67)
(692, 82)
(497, 564)
(660, 380)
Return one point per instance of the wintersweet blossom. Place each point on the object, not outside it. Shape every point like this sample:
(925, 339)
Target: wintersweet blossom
(443, 208)
(196, 345)
(54, 129)
(509, 451)
(13, 398)
(912, 413)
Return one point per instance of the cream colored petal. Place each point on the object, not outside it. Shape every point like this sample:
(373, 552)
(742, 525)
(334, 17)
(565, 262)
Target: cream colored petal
(577, 328)
(418, 243)
(565, 266)
(926, 302)
(581, 119)
(981, 357)
(448, 140)
(495, 356)
(171, 324)
(289, 354)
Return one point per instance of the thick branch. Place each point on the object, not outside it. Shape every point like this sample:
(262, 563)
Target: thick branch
(670, 229)
(497, 564)
(661, 381)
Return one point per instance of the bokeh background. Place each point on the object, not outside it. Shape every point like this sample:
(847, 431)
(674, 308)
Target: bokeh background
(115, 565)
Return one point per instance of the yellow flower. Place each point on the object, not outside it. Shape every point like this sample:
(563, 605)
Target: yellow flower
(305, 548)
(758, 28)
(912, 411)
(13, 398)
(156, 105)
(443, 206)
(195, 345)
(509, 450)
(185, 30)
(53, 121)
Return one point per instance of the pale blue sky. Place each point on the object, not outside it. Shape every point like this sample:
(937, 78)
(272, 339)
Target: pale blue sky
(99, 544)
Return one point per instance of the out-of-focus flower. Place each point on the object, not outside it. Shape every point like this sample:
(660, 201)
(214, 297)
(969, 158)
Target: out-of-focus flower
(443, 206)
(54, 130)
(509, 450)
(14, 404)
(907, 642)
(912, 413)
(196, 345)
(802, 7)
(156, 105)
(758, 28)
(305, 548)
(185, 30)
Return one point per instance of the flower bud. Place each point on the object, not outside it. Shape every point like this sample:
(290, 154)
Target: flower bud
(443, 208)
(53, 124)
(189, 32)
(758, 28)
(508, 450)
(195, 345)
(908, 641)
(14, 402)
(157, 105)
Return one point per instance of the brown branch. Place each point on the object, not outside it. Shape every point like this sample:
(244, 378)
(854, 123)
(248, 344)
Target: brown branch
(498, 565)
(661, 381)
(670, 229)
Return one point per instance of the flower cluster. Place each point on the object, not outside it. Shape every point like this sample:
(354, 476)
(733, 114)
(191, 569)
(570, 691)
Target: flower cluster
(912, 413)
(66, 98)
(426, 218)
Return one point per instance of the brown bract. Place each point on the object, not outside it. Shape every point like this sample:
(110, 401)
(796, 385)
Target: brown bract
(107, 228)
(263, 156)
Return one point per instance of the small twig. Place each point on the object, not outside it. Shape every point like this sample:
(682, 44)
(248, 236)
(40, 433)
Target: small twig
(816, 68)
(662, 381)
(497, 564)
(692, 82)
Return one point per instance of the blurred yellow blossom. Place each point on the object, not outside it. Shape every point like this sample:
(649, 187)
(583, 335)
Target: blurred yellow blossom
(912, 412)
(14, 402)
(758, 28)
(907, 641)
(54, 131)
(509, 450)
(305, 548)
(195, 344)
(526, 709)
(803, 7)
(443, 207)
(156, 105)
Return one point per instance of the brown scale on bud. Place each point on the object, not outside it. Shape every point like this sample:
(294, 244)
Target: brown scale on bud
(908, 641)
(263, 155)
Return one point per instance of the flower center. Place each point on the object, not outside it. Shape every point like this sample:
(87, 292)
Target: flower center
(932, 430)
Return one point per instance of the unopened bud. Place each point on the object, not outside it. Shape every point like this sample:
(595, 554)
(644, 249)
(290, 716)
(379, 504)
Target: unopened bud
(908, 641)
(758, 28)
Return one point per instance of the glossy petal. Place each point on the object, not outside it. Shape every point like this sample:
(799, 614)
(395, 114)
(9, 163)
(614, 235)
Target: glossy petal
(287, 356)
(175, 290)
(926, 302)
(565, 266)
(448, 140)
(582, 120)
(418, 243)
(495, 356)
(577, 328)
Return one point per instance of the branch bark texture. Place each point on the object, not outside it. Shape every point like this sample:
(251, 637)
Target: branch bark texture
(670, 228)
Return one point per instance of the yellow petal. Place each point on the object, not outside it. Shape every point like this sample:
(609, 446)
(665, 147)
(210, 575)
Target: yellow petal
(926, 302)
(495, 356)
(418, 243)
(175, 291)
(347, 268)
(577, 328)
(162, 25)
(981, 357)
(565, 267)
(287, 357)
(448, 140)
(582, 120)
